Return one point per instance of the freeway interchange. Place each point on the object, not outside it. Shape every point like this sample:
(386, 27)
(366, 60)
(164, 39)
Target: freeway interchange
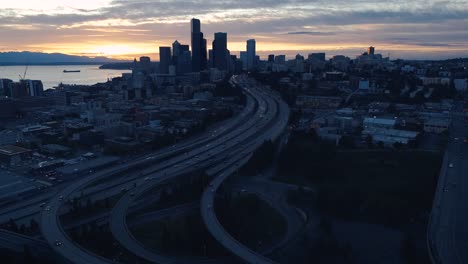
(220, 152)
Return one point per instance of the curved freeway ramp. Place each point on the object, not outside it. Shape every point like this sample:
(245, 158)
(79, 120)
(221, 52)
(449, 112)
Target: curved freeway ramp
(207, 209)
(118, 223)
(51, 226)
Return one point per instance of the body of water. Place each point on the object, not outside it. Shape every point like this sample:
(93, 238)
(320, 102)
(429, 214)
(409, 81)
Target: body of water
(51, 76)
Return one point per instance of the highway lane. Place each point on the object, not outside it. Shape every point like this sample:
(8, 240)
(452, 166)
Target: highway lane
(118, 218)
(16, 242)
(28, 209)
(448, 228)
(53, 231)
(209, 216)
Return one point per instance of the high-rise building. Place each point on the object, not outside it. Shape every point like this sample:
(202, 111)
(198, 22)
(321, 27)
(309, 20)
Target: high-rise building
(250, 54)
(220, 59)
(210, 58)
(5, 87)
(371, 50)
(181, 57)
(317, 56)
(184, 63)
(175, 52)
(243, 59)
(197, 43)
(271, 58)
(204, 56)
(32, 87)
(280, 59)
(164, 59)
(145, 65)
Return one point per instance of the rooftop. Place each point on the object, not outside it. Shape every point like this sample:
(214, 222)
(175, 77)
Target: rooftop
(381, 121)
(11, 150)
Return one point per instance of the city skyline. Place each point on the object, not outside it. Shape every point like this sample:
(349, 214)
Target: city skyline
(127, 29)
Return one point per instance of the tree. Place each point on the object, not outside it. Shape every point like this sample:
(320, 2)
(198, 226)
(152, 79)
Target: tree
(12, 225)
(326, 226)
(33, 225)
(408, 249)
(370, 141)
(106, 203)
(381, 145)
(347, 142)
(27, 255)
(89, 204)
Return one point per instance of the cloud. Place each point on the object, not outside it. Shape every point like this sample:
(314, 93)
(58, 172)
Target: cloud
(313, 33)
(309, 24)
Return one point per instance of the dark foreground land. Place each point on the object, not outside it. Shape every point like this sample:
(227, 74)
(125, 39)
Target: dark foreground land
(376, 199)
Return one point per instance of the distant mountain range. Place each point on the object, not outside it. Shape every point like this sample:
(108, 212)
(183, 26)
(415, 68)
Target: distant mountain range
(38, 58)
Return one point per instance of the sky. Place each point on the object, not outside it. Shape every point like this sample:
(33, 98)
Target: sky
(124, 29)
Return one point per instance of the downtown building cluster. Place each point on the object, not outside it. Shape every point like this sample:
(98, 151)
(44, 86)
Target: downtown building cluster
(183, 59)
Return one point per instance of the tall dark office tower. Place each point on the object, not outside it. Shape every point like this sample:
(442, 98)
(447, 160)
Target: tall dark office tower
(317, 56)
(271, 58)
(220, 51)
(204, 56)
(164, 59)
(210, 58)
(251, 54)
(371, 50)
(175, 52)
(145, 65)
(184, 48)
(197, 41)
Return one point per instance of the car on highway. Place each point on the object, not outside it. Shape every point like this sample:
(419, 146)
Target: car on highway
(58, 243)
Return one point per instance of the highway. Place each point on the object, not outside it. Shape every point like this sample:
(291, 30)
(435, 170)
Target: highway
(51, 226)
(26, 210)
(264, 116)
(448, 226)
(207, 202)
(16, 242)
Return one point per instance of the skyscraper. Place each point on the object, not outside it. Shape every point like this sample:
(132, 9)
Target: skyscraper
(243, 59)
(271, 58)
(198, 46)
(250, 54)
(175, 52)
(317, 56)
(371, 50)
(204, 56)
(164, 59)
(220, 59)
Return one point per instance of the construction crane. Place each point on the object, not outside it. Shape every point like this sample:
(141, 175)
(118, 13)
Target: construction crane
(24, 75)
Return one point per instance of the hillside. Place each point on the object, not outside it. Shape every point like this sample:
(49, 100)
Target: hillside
(38, 58)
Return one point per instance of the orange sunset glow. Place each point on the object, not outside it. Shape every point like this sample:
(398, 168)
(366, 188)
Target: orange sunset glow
(127, 29)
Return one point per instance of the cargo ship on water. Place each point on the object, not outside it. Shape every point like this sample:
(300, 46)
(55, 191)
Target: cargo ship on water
(67, 71)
